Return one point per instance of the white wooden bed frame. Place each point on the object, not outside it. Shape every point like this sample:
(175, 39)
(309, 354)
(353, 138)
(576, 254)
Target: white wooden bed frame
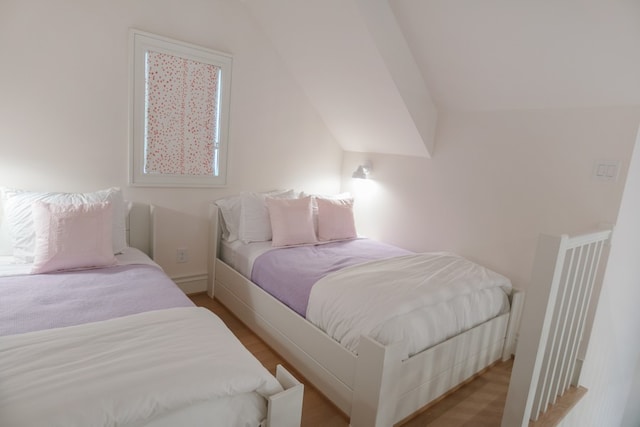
(285, 408)
(376, 387)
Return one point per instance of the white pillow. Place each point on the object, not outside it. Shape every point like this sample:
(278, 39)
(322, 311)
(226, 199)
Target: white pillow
(291, 221)
(255, 225)
(335, 219)
(72, 236)
(19, 218)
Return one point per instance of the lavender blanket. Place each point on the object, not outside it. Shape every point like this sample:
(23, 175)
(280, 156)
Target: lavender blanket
(289, 273)
(43, 301)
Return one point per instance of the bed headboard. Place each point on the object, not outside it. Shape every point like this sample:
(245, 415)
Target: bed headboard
(215, 234)
(139, 227)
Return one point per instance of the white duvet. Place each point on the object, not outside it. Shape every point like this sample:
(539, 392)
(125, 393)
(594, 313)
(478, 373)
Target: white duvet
(419, 300)
(124, 371)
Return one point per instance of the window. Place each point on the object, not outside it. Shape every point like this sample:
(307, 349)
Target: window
(179, 113)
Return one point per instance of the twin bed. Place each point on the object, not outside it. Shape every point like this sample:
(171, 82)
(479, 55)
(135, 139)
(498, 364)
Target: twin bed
(379, 330)
(120, 344)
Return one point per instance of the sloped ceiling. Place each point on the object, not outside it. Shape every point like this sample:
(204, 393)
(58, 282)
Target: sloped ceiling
(505, 54)
(377, 71)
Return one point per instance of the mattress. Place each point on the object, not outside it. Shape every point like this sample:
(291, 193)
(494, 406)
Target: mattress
(454, 294)
(241, 256)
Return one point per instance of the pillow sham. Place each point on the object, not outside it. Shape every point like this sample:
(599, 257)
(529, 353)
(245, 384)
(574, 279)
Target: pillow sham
(72, 236)
(335, 219)
(314, 203)
(19, 219)
(291, 221)
(255, 225)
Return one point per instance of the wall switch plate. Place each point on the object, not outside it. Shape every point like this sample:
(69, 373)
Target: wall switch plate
(606, 170)
(182, 255)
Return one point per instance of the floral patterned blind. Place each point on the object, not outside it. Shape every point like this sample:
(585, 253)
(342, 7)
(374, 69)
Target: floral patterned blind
(182, 95)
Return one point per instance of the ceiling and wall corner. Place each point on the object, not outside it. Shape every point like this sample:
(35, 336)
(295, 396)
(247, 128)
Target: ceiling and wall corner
(506, 55)
(378, 71)
(351, 60)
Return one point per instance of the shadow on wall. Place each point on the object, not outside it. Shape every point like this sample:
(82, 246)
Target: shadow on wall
(180, 242)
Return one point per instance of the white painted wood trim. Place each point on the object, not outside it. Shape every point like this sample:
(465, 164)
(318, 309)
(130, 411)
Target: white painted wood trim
(536, 318)
(511, 340)
(215, 233)
(542, 318)
(376, 389)
(192, 283)
(285, 408)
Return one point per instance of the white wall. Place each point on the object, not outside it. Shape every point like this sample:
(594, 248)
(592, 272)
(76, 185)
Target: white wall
(64, 108)
(610, 368)
(497, 180)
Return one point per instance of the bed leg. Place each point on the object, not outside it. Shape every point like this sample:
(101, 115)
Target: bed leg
(517, 303)
(375, 392)
(214, 239)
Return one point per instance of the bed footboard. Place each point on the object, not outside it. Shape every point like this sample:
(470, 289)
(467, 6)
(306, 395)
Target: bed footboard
(375, 390)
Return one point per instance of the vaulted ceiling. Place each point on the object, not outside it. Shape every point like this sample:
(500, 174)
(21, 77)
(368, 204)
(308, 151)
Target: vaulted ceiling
(378, 71)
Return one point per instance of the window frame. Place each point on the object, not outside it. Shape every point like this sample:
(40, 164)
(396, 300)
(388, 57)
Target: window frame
(140, 43)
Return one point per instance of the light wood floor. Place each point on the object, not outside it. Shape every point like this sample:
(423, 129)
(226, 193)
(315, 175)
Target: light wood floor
(479, 403)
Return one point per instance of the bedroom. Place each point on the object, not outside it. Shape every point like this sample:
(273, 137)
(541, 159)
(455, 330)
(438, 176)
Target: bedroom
(507, 164)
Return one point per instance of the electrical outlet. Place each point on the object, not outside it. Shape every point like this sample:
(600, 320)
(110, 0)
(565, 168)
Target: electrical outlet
(182, 255)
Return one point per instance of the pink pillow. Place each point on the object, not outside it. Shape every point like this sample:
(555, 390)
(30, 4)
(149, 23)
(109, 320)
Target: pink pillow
(291, 221)
(335, 219)
(72, 236)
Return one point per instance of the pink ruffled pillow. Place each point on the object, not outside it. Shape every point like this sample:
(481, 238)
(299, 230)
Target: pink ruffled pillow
(335, 219)
(72, 236)
(291, 221)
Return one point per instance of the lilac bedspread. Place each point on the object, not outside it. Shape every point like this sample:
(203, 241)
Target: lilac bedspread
(289, 273)
(44, 301)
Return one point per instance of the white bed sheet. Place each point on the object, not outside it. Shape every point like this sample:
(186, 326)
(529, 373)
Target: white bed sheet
(8, 266)
(240, 256)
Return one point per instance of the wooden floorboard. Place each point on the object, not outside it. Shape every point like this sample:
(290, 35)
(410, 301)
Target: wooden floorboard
(478, 403)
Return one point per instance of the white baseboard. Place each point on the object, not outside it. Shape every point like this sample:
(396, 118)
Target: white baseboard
(192, 283)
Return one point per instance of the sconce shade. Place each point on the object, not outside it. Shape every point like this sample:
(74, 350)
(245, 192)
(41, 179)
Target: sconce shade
(362, 172)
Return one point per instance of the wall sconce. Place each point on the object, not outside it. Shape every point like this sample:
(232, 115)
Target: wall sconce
(363, 171)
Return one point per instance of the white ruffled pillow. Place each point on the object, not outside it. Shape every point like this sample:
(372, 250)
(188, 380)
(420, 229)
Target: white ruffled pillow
(19, 219)
(291, 221)
(335, 219)
(72, 236)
